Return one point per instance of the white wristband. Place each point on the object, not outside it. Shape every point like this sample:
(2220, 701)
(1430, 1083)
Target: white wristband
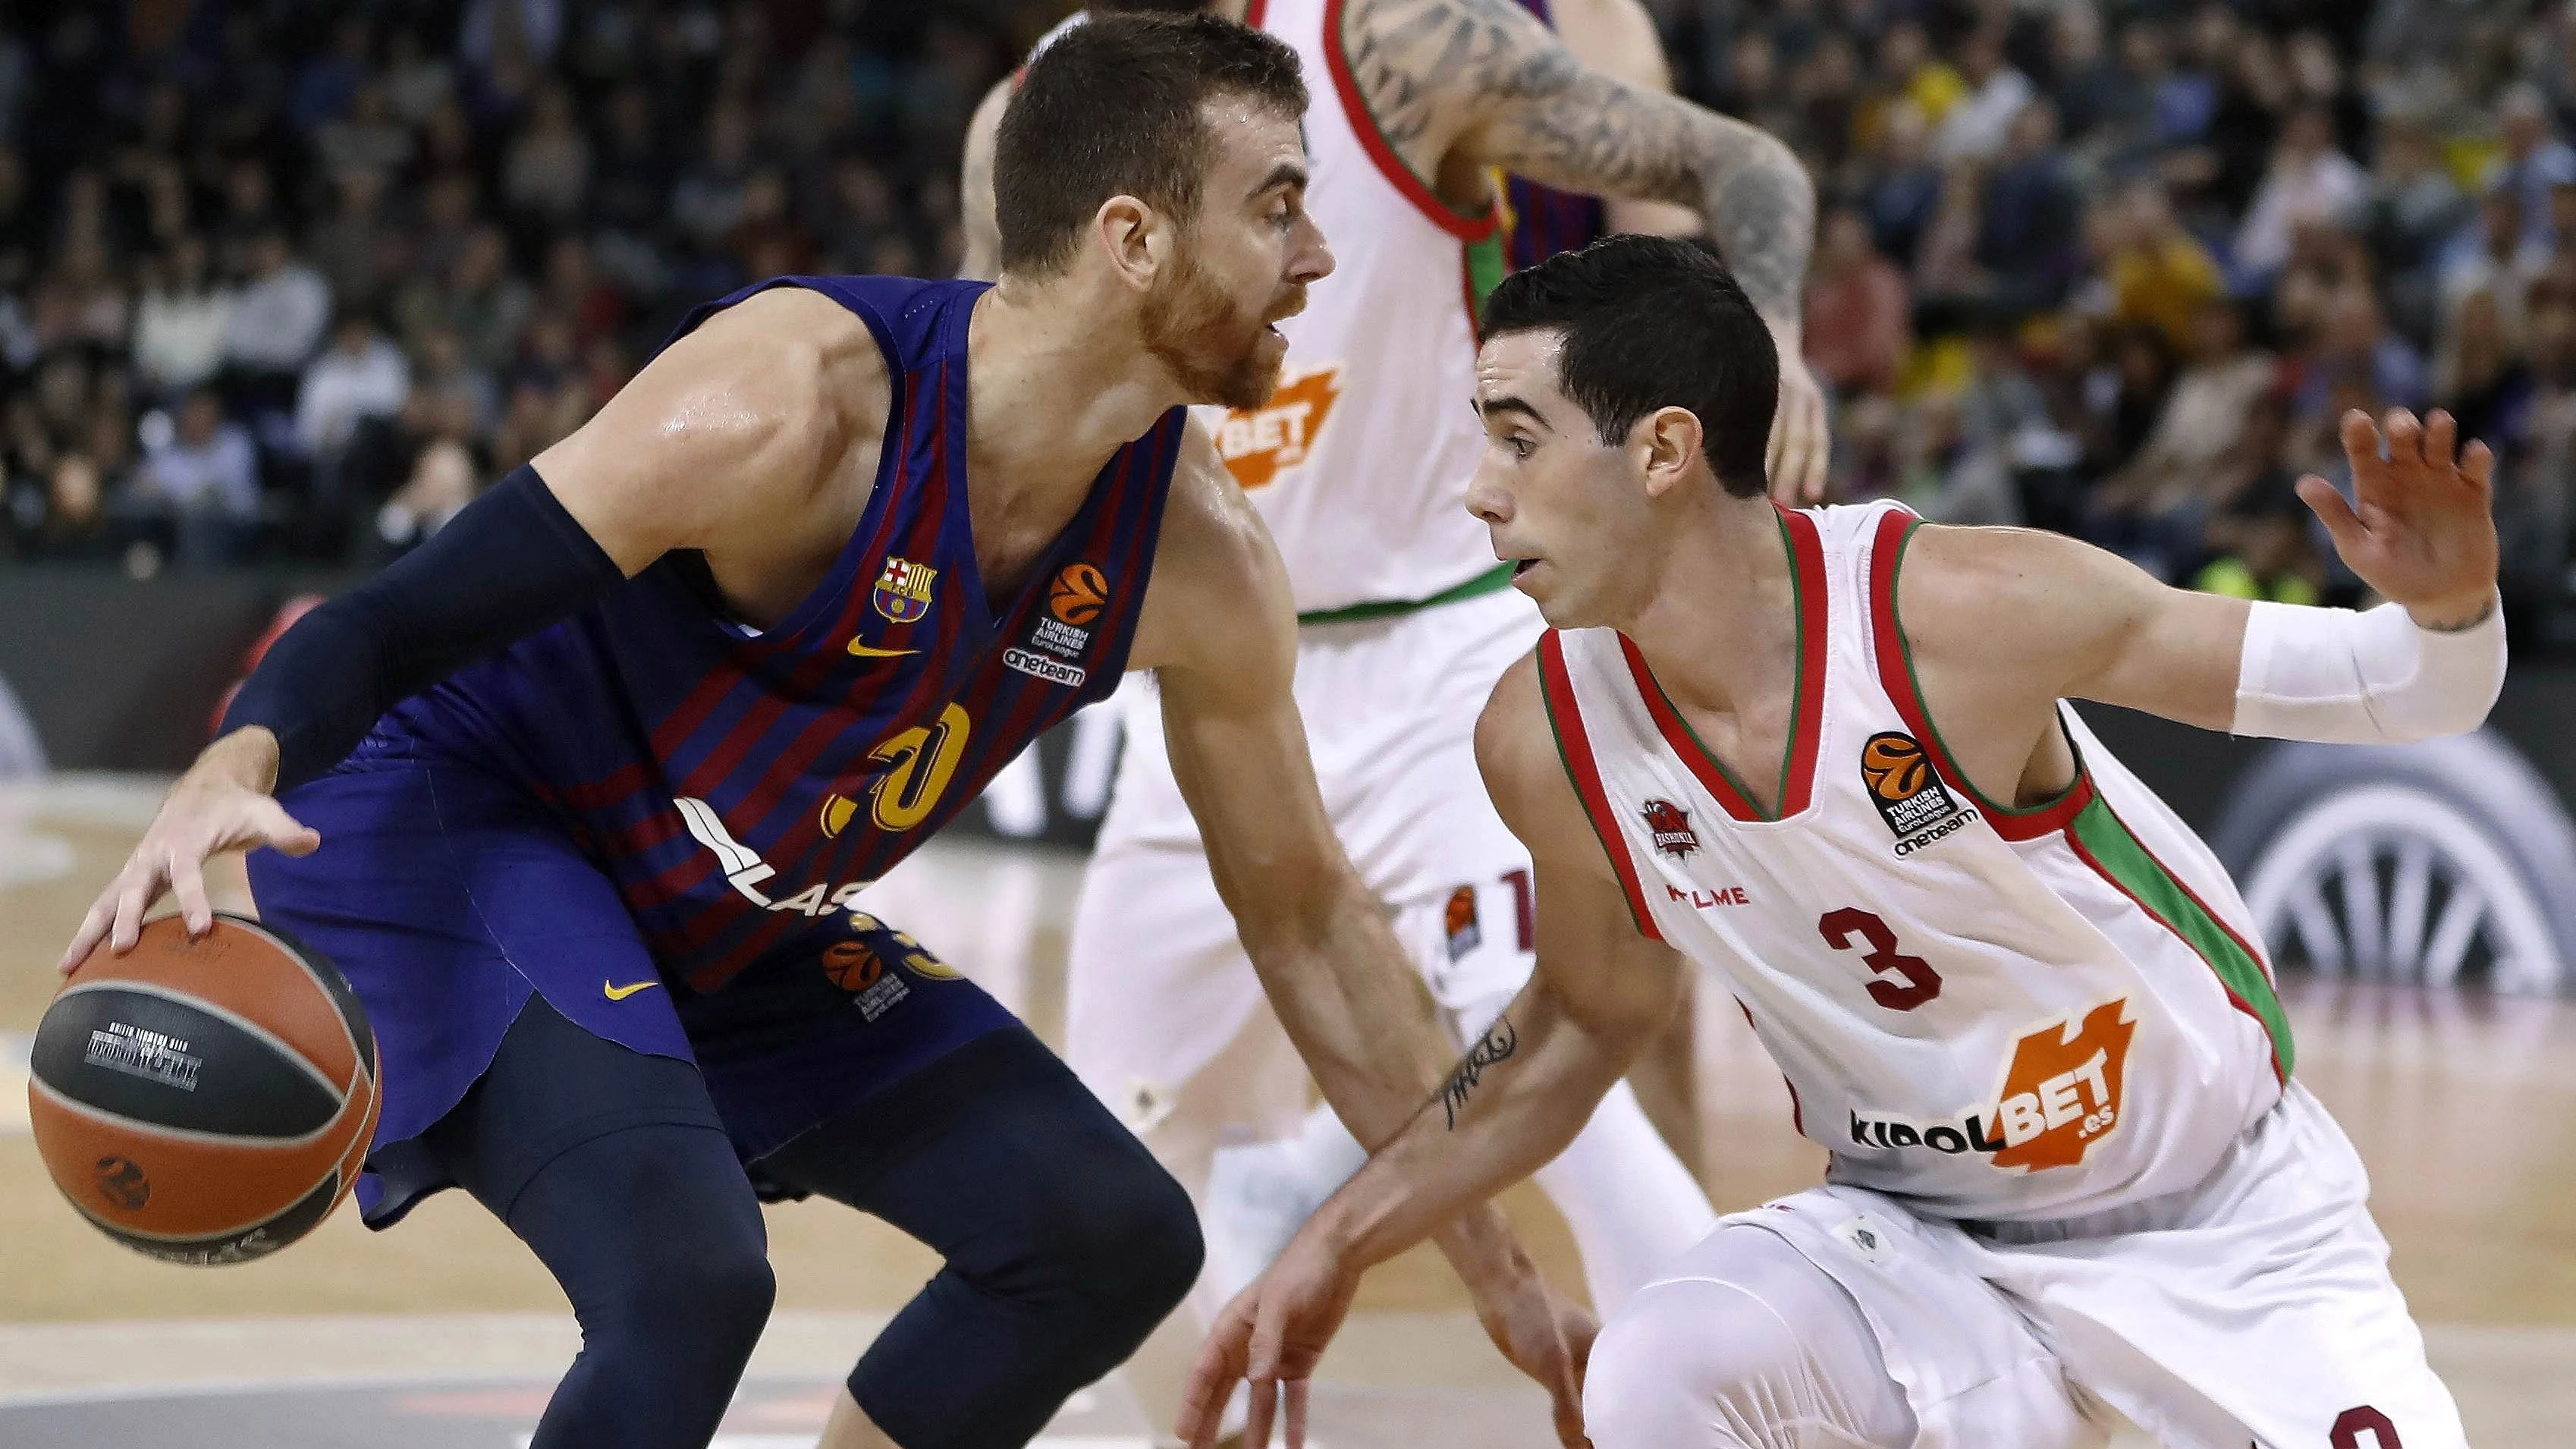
(2369, 678)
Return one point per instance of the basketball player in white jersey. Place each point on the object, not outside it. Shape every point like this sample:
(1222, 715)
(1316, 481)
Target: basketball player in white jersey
(1358, 465)
(1827, 757)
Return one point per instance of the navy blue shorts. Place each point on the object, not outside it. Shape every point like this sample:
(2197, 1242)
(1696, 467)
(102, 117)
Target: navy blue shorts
(448, 896)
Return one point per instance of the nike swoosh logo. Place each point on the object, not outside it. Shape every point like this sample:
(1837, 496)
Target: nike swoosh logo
(620, 993)
(870, 651)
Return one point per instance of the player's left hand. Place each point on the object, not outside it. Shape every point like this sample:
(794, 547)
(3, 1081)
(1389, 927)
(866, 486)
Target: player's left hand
(2421, 531)
(1271, 1336)
(1801, 444)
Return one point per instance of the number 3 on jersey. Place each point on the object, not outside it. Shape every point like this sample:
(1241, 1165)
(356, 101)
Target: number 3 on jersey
(1920, 982)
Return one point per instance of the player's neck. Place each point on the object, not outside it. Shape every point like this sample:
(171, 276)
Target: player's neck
(1050, 391)
(1722, 621)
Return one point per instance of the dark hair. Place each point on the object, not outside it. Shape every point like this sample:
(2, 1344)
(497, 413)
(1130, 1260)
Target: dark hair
(1114, 108)
(1651, 322)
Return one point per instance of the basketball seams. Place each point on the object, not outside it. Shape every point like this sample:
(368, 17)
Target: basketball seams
(122, 1123)
(343, 997)
(227, 1015)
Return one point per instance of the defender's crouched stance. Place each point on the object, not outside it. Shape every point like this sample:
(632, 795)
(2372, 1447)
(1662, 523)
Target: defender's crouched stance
(1827, 756)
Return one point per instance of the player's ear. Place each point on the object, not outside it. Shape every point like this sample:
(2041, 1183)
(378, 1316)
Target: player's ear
(1136, 239)
(1669, 441)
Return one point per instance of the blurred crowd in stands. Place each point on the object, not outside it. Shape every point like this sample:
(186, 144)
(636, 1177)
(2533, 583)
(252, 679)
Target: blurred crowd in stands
(284, 280)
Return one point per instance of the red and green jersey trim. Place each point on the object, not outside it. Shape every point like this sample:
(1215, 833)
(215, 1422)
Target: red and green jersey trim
(1574, 747)
(2104, 842)
(1806, 712)
(1896, 675)
(1373, 139)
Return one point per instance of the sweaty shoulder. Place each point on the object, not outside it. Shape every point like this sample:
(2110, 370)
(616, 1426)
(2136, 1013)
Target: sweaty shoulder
(767, 406)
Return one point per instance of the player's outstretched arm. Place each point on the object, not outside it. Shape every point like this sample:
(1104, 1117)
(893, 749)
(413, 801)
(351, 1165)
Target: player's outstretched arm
(1220, 632)
(1600, 993)
(1483, 82)
(723, 443)
(2049, 617)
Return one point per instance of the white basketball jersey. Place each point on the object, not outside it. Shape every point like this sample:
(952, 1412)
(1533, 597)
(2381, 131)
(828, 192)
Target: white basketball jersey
(1995, 1013)
(1360, 463)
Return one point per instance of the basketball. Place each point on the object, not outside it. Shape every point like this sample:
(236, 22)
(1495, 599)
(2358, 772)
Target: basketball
(204, 1101)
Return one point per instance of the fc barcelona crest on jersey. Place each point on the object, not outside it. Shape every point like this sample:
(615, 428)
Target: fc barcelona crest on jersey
(903, 590)
(1671, 826)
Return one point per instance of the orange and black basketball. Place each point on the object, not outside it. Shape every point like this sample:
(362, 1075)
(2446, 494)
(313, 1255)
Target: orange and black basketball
(851, 965)
(1894, 766)
(204, 1101)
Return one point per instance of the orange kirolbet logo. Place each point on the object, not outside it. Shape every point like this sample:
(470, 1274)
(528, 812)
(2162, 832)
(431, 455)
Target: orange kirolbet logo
(1258, 444)
(2062, 1092)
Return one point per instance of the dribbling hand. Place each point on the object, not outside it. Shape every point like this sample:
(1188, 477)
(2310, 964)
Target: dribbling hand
(221, 804)
(2421, 529)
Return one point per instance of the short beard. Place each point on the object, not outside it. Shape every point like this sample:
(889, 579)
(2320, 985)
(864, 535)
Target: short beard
(1209, 346)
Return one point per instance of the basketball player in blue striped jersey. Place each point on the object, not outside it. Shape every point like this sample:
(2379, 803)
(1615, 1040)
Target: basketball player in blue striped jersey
(581, 794)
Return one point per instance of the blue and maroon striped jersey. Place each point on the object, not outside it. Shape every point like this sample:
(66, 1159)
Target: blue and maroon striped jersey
(739, 786)
(1545, 221)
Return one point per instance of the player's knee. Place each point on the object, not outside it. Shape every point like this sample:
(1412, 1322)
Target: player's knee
(1689, 1363)
(714, 1294)
(1137, 1237)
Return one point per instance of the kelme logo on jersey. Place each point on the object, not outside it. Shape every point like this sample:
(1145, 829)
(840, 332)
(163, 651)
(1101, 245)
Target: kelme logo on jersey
(1459, 923)
(1058, 635)
(1258, 444)
(903, 590)
(1671, 827)
(1908, 791)
(2062, 1092)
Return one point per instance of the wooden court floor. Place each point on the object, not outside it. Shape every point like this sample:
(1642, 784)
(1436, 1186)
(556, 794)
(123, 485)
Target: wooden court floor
(2464, 1106)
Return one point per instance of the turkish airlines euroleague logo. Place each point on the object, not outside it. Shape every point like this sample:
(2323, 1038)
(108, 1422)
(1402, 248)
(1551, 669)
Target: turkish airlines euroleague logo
(1259, 444)
(2062, 1092)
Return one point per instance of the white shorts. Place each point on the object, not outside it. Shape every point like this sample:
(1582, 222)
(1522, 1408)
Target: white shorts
(1158, 983)
(2254, 1309)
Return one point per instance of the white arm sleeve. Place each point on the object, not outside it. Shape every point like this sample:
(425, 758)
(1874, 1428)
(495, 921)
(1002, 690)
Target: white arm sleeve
(2375, 677)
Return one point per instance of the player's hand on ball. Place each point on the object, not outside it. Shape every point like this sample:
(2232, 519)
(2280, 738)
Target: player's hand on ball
(1271, 1336)
(221, 804)
(1801, 444)
(2421, 527)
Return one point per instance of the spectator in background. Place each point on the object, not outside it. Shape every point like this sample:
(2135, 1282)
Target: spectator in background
(2413, 212)
(2534, 161)
(2355, 346)
(2480, 375)
(356, 249)
(2309, 181)
(2155, 507)
(1948, 474)
(182, 322)
(368, 138)
(204, 479)
(2536, 466)
(80, 303)
(277, 321)
(479, 302)
(574, 291)
(361, 376)
(2028, 233)
(2086, 84)
(546, 178)
(1976, 128)
(1857, 310)
(1904, 187)
(330, 80)
(2159, 275)
(2260, 531)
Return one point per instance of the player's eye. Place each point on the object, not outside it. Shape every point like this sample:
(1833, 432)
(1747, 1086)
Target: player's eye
(1521, 445)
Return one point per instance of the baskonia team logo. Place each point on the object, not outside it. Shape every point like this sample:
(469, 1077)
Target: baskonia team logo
(1910, 797)
(903, 590)
(1671, 827)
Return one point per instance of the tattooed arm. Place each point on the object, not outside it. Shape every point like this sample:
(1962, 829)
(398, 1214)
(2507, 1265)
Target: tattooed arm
(1457, 86)
(1617, 38)
(1600, 993)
